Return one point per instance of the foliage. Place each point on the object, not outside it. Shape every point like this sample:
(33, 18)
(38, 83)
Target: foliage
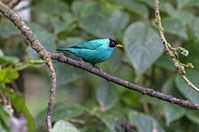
(86, 102)
(8, 74)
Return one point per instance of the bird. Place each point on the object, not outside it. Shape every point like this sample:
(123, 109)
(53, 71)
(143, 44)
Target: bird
(94, 51)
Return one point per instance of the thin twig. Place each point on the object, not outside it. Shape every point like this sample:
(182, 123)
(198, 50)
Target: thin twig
(36, 45)
(147, 91)
(52, 95)
(170, 51)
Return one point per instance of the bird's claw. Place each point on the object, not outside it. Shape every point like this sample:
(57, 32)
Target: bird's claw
(82, 62)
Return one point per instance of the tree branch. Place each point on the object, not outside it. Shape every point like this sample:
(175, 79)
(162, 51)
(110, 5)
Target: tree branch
(52, 95)
(147, 91)
(36, 45)
(170, 51)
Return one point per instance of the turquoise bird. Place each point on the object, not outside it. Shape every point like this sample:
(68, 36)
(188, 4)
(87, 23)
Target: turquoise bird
(94, 51)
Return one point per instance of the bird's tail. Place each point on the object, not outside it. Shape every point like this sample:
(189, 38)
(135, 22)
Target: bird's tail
(62, 49)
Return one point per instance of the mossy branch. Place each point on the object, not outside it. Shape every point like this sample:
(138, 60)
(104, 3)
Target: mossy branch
(172, 52)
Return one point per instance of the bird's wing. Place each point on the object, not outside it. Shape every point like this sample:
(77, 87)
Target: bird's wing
(92, 45)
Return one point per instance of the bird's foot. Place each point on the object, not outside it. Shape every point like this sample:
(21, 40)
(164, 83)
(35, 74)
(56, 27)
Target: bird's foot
(97, 68)
(82, 62)
(101, 72)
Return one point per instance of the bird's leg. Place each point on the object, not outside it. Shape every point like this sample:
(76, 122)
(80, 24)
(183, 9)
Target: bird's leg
(97, 67)
(101, 72)
(82, 62)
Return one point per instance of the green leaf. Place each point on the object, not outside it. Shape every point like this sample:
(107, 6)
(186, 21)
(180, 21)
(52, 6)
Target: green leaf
(4, 119)
(143, 46)
(131, 98)
(174, 26)
(133, 6)
(149, 100)
(182, 3)
(7, 28)
(51, 7)
(110, 8)
(144, 123)
(166, 63)
(76, 7)
(61, 111)
(90, 9)
(186, 90)
(2, 129)
(70, 41)
(19, 105)
(193, 116)
(46, 38)
(32, 54)
(58, 24)
(94, 21)
(112, 117)
(187, 3)
(171, 112)
(1, 53)
(119, 20)
(7, 75)
(164, 5)
(97, 25)
(193, 48)
(170, 88)
(185, 17)
(115, 61)
(106, 95)
(62, 24)
(167, 7)
(66, 73)
(64, 126)
(8, 60)
(195, 26)
(149, 2)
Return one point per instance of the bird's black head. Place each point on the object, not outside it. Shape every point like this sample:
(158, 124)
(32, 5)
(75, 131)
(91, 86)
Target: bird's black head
(114, 43)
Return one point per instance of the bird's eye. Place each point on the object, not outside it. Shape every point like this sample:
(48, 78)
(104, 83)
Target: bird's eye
(112, 43)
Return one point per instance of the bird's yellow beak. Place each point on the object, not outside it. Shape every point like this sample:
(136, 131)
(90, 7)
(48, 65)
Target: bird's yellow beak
(119, 46)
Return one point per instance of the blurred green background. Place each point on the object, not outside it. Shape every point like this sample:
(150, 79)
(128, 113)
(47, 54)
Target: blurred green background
(86, 102)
